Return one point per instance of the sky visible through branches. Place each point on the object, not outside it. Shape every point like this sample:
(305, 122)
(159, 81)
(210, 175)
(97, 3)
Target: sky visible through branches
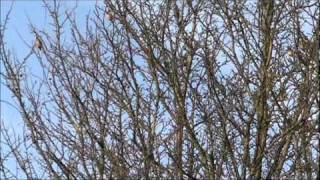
(197, 89)
(19, 37)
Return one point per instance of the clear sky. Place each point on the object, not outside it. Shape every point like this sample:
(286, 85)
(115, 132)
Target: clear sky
(18, 34)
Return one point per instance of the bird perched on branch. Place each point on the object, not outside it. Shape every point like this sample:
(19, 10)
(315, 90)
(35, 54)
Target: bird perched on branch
(38, 43)
(110, 15)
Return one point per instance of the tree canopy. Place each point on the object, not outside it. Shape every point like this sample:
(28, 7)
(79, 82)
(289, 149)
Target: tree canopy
(196, 89)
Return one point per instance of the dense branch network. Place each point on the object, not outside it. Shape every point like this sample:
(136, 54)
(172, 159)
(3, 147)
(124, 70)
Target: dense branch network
(168, 89)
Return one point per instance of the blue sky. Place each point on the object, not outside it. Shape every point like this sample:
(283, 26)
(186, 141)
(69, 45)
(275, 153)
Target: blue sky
(18, 33)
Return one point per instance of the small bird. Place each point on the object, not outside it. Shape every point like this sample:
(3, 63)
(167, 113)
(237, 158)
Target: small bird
(110, 16)
(38, 43)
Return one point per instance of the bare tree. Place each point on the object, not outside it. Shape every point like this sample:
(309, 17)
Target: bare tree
(169, 89)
